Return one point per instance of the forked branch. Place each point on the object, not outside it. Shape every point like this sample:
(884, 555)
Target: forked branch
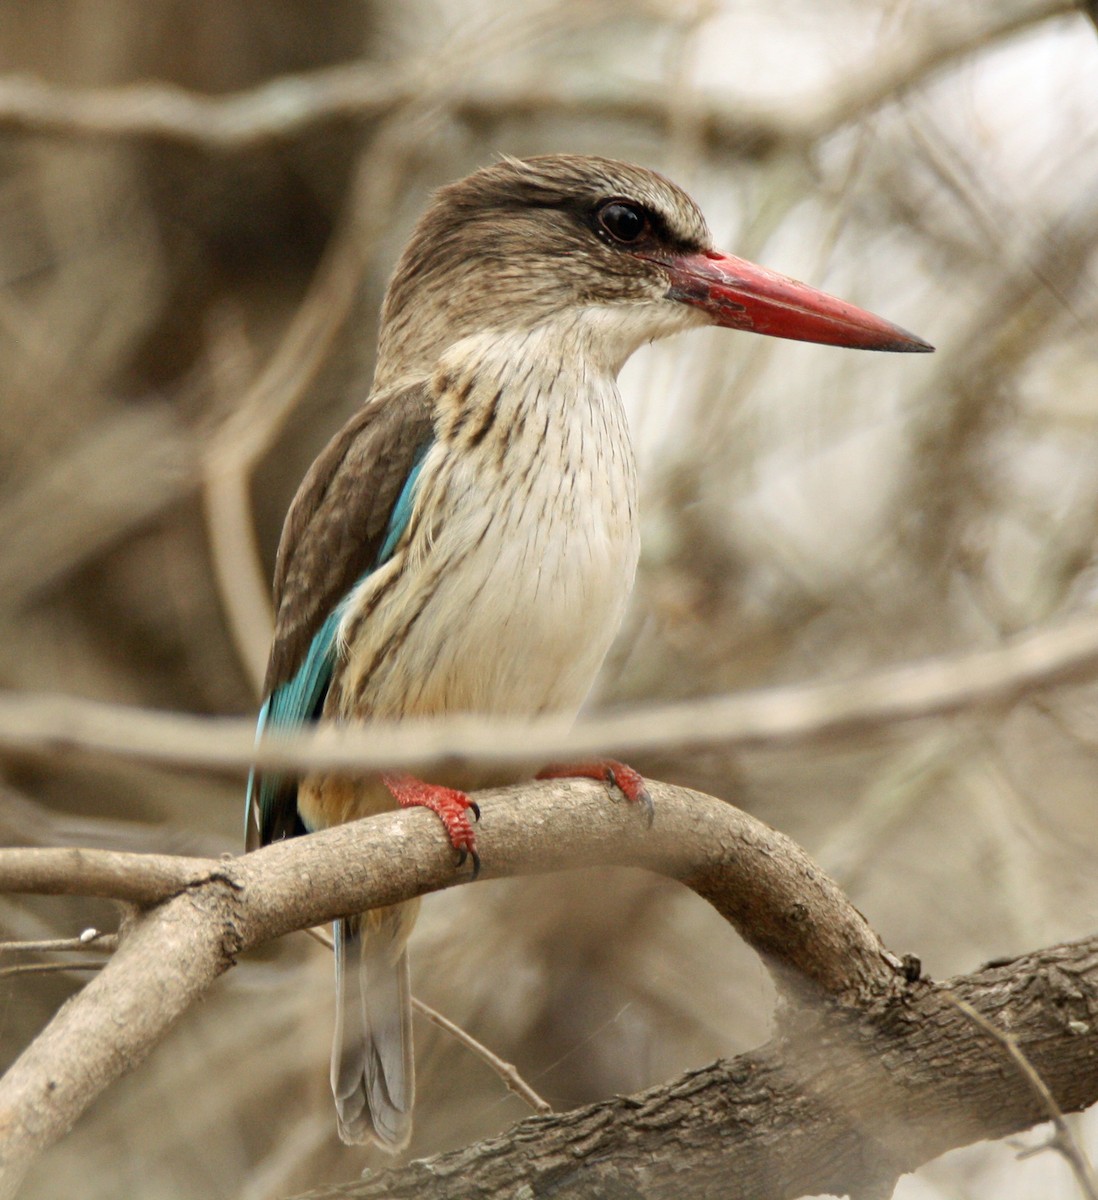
(873, 1071)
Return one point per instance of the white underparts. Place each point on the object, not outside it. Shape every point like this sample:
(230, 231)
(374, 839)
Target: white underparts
(512, 578)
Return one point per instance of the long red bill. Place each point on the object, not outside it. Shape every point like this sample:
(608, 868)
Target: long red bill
(740, 295)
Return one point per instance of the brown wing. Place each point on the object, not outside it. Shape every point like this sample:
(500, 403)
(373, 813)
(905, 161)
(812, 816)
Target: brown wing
(334, 530)
(337, 521)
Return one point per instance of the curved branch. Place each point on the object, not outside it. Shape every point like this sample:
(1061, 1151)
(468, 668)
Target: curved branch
(883, 1075)
(211, 911)
(764, 884)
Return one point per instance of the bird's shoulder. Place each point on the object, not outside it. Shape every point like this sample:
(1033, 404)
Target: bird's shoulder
(337, 522)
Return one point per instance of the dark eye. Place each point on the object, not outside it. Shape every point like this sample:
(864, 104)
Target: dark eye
(623, 222)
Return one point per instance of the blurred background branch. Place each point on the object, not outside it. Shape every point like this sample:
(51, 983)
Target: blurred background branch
(201, 205)
(960, 684)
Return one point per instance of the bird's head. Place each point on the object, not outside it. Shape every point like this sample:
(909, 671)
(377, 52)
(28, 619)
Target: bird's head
(565, 237)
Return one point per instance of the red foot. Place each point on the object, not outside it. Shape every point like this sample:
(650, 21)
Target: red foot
(611, 772)
(451, 807)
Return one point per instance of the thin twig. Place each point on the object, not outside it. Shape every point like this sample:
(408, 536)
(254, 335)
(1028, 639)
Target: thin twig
(90, 939)
(49, 968)
(227, 501)
(1063, 1140)
(320, 935)
(505, 1070)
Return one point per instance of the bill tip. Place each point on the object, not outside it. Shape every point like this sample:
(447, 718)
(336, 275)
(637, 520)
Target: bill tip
(910, 343)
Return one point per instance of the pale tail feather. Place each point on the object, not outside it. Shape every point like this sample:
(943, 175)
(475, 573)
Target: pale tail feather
(373, 1077)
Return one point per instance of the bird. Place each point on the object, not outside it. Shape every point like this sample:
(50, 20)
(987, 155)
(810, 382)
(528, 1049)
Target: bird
(467, 542)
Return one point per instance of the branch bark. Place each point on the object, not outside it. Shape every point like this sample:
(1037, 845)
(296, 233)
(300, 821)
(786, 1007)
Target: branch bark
(840, 1104)
(200, 915)
(872, 1071)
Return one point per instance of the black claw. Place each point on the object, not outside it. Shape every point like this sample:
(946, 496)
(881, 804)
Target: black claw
(645, 798)
(612, 784)
(464, 856)
(474, 808)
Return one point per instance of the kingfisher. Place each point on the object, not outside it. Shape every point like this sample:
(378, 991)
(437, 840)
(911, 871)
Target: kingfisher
(467, 542)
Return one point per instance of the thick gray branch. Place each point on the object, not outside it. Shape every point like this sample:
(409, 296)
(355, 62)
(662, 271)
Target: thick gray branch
(842, 1103)
(211, 911)
(870, 1075)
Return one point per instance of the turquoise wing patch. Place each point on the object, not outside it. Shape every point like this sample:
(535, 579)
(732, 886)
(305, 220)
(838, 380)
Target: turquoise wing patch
(296, 702)
(301, 699)
(402, 510)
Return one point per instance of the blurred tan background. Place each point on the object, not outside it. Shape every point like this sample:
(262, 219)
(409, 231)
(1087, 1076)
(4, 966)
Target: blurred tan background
(188, 312)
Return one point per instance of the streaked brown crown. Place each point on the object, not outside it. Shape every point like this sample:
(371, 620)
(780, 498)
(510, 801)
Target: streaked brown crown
(517, 242)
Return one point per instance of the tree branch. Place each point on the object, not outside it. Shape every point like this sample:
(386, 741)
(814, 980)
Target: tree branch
(209, 912)
(783, 716)
(758, 879)
(872, 1071)
(506, 1071)
(293, 106)
(111, 874)
(842, 1104)
(1062, 1139)
(281, 108)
